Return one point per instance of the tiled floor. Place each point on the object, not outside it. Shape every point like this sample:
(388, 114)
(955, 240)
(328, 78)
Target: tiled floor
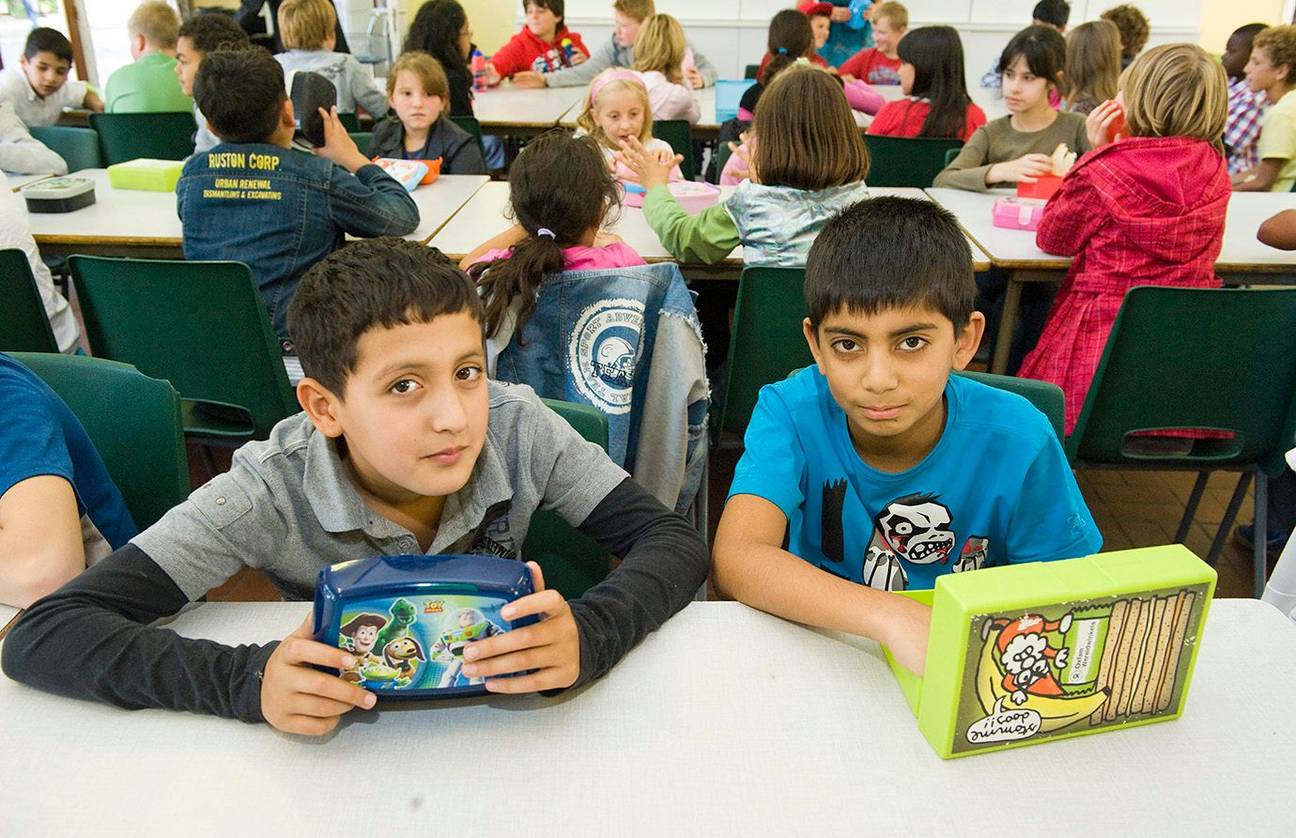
(1132, 508)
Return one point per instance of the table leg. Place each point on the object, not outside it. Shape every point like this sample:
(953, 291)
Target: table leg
(1007, 324)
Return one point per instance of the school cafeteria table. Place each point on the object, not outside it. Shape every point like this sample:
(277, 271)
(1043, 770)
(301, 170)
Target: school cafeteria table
(128, 222)
(484, 216)
(523, 112)
(726, 721)
(17, 182)
(1242, 259)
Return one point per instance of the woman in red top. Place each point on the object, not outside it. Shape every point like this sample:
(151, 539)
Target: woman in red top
(936, 102)
(1147, 210)
(540, 45)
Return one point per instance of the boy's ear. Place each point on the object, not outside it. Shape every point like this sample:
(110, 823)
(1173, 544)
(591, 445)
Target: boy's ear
(811, 334)
(321, 406)
(286, 117)
(968, 339)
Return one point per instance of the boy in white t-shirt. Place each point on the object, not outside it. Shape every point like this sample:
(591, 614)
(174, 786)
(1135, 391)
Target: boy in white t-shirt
(39, 86)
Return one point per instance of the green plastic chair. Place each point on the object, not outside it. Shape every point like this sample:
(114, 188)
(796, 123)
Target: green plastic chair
(766, 342)
(350, 122)
(1197, 358)
(133, 421)
(572, 562)
(472, 126)
(79, 147)
(1047, 398)
(751, 71)
(907, 161)
(200, 325)
(126, 136)
(951, 154)
(363, 139)
(679, 134)
(24, 326)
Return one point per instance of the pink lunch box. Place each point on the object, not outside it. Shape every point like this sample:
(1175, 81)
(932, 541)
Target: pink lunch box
(692, 195)
(1018, 213)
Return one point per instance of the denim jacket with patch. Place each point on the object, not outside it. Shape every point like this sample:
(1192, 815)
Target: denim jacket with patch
(627, 342)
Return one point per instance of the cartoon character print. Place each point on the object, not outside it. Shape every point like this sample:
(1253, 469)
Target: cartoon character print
(359, 637)
(1027, 656)
(401, 655)
(915, 528)
(973, 556)
(465, 626)
(403, 615)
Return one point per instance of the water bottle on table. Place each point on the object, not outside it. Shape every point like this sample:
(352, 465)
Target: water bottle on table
(478, 70)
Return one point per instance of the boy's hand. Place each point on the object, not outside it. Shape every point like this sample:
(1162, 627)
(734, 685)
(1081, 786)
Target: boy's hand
(578, 58)
(1099, 121)
(652, 170)
(551, 647)
(296, 698)
(529, 79)
(840, 14)
(907, 627)
(338, 145)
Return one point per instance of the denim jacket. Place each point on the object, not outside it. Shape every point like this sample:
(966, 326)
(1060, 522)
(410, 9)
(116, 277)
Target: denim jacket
(281, 211)
(627, 342)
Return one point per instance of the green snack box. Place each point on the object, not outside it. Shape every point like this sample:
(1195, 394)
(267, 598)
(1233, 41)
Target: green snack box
(1047, 650)
(146, 173)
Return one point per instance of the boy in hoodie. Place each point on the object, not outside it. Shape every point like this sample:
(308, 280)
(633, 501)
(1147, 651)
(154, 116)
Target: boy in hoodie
(1147, 210)
(306, 27)
(544, 45)
(628, 15)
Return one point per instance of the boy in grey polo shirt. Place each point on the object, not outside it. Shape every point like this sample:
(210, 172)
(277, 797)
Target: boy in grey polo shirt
(403, 447)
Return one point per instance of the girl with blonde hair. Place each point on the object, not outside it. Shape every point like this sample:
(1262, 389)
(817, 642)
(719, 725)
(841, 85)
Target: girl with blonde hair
(660, 52)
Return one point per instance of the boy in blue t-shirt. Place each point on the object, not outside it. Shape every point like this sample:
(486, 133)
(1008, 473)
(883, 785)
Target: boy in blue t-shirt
(59, 509)
(876, 470)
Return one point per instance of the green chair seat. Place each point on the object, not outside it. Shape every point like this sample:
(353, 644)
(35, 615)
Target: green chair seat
(133, 421)
(200, 325)
(24, 326)
(363, 139)
(1047, 397)
(79, 147)
(126, 136)
(907, 161)
(679, 134)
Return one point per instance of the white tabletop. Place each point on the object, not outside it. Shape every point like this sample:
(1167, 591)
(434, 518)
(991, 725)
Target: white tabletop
(1242, 253)
(17, 182)
(726, 721)
(515, 107)
(126, 217)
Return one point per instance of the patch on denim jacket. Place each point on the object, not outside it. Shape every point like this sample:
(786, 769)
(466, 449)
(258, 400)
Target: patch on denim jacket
(604, 350)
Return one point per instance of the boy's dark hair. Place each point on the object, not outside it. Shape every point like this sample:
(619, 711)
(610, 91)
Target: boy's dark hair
(888, 253)
(1044, 49)
(435, 30)
(1054, 12)
(555, 6)
(383, 283)
(210, 31)
(560, 184)
(241, 92)
(44, 39)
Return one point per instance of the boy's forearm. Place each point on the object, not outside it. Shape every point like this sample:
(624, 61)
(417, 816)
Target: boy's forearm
(379, 207)
(91, 640)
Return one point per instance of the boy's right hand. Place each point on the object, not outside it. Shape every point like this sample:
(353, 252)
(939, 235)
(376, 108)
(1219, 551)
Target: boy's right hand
(338, 145)
(905, 633)
(296, 697)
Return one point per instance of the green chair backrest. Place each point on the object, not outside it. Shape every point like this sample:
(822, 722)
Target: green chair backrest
(679, 134)
(349, 121)
(572, 562)
(751, 71)
(1048, 398)
(1218, 358)
(472, 126)
(200, 325)
(24, 326)
(133, 421)
(79, 147)
(126, 136)
(766, 342)
(951, 154)
(363, 139)
(907, 161)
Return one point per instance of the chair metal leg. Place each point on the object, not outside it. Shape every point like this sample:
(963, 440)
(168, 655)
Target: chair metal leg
(1230, 515)
(1191, 509)
(1261, 532)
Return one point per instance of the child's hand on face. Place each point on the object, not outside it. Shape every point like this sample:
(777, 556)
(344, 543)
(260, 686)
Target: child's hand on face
(907, 628)
(550, 647)
(652, 169)
(296, 697)
(338, 145)
(1099, 122)
(529, 79)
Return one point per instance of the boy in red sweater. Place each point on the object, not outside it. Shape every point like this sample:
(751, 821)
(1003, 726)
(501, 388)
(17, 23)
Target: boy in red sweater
(545, 44)
(880, 63)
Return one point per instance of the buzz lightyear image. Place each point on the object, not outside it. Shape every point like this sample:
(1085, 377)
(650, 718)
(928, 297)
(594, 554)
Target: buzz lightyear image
(465, 626)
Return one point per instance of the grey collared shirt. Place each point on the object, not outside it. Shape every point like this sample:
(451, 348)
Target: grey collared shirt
(287, 506)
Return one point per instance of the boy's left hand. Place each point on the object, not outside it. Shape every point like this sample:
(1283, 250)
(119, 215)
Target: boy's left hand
(338, 145)
(550, 647)
(652, 169)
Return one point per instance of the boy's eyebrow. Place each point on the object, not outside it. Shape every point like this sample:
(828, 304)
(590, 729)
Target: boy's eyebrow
(410, 364)
(895, 333)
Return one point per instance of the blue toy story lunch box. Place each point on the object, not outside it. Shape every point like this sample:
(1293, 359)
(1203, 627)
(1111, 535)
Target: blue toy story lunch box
(407, 619)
